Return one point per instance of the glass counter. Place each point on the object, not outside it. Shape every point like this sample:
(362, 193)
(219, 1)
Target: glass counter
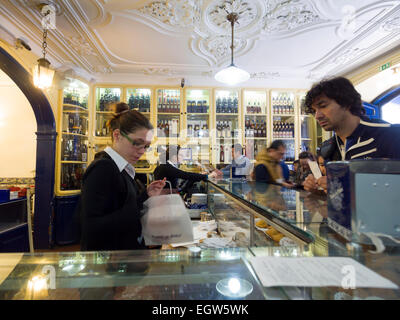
(279, 207)
(126, 275)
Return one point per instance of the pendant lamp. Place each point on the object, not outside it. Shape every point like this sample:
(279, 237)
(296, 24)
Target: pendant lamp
(232, 75)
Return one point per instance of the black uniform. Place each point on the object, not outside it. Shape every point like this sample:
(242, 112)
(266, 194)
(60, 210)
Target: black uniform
(109, 208)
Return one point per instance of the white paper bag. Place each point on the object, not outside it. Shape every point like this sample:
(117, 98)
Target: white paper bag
(166, 220)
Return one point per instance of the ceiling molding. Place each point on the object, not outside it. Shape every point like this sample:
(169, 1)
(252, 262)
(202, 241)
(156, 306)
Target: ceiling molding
(86, 30)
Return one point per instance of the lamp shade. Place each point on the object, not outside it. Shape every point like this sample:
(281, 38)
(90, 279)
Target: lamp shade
(232, 75)
(42, 74)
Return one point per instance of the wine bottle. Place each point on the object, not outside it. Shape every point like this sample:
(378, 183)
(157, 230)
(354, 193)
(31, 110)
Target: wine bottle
(218, 105)
(222, 156)
(230, 105)
(235, 105)
(84, 152)
(224, 105)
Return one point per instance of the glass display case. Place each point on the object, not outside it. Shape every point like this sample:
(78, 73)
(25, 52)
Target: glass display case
(74, 133)
(105, 98)
(258, 219)
(139, 100)
(168, 113)
(284, 120)
(227, 125)
(198, 126)
(308, 130)
(255, 122)
(127, 275)
(281, 212)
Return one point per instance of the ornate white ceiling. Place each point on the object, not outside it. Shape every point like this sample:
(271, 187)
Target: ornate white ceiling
(282, 43)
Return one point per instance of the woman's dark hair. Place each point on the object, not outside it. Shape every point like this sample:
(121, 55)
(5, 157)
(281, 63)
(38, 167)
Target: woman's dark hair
(339, 89)
(126, 120)
(306, 155)
(276, 144)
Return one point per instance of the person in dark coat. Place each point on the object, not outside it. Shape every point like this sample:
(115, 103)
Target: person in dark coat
(111, 201)
(169, 169)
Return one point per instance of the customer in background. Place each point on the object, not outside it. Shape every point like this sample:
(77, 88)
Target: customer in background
(170, 171)
(337, 107)
(241, 166)
(267, 167)
(321, 164)
(285, 170)
(292, 173)
(303, 169)
(110, 204)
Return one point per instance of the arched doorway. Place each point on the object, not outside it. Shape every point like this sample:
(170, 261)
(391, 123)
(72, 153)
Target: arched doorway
(45, 148)
(388, 103)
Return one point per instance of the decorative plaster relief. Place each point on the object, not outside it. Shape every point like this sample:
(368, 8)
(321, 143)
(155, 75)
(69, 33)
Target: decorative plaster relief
(265, 75)
(219, 9)
(103, 69)
(390, 25)
(181, 13)
(347, 55)
(159, 71)
(81, 46)
(286, 15)
(220, 47)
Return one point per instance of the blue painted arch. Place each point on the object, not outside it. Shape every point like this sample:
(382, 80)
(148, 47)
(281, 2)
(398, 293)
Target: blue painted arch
(45, 148)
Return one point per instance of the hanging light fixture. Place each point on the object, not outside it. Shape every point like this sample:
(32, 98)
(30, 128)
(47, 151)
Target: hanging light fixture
(232, 74)
(42, 74)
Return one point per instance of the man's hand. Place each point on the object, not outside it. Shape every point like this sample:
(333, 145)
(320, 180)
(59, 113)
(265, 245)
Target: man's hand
(288, 184)
(155, 188)
(310, 184)
(313, 185)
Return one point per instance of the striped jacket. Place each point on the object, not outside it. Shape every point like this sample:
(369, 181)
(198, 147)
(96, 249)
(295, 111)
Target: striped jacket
(371, 139)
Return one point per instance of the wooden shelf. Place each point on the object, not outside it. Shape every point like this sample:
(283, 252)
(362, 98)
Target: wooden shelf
(77, 112)
(75, 134)
(256, 138)
(73, 162)
(74, 106)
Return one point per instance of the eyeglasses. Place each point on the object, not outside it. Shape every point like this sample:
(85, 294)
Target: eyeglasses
(134, 143)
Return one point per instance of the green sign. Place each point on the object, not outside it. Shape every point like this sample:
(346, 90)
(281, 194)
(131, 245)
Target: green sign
(384, 66)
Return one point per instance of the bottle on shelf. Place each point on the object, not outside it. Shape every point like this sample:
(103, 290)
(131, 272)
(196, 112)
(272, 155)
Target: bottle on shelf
(222, 156)
(104, 130)
(84, 152)
(235, 105)
(218, 105)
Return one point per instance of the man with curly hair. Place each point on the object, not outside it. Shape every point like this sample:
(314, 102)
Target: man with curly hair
(337, 107)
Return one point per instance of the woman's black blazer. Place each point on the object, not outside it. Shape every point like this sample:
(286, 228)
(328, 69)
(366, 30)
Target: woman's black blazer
(109, 208)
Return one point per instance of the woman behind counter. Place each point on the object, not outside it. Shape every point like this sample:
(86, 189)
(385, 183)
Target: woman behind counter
(110, 201)
(170, 169)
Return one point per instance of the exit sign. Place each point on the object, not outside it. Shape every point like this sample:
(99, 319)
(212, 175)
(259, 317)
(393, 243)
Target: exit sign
(384, 66)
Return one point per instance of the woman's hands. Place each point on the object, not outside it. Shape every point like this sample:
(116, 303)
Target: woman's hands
(155, 188)
(215, 174)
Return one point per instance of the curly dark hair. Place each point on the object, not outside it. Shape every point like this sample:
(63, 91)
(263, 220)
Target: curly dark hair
(339, 89)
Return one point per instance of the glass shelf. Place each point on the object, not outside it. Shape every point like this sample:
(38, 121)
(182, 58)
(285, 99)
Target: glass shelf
(74, 136)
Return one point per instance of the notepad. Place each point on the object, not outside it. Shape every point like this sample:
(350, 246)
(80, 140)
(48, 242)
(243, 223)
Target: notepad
(315, 169)
(317, 272)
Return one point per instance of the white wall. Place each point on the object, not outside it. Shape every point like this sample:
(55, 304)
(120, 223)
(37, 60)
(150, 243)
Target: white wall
(17, 131)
